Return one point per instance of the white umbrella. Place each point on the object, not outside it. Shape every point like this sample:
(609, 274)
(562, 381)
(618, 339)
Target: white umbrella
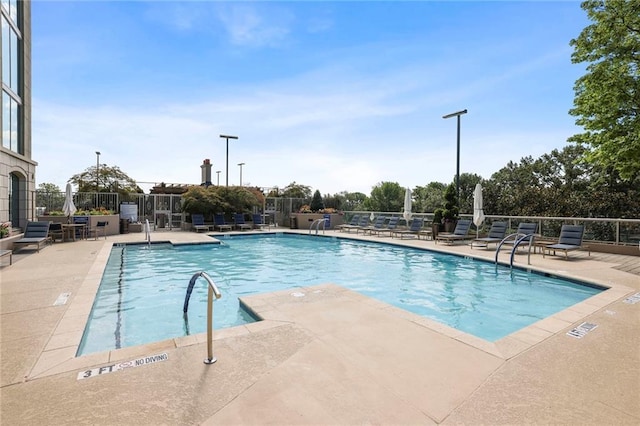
(68, 208)
(407, 205)
(478, 213)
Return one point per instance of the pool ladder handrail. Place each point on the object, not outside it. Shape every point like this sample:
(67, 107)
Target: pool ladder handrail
(147, 231)
(213, 291)
(317, 223)
(519, 238)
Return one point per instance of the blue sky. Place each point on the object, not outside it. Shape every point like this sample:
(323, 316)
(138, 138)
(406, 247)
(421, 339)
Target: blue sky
(338, 96)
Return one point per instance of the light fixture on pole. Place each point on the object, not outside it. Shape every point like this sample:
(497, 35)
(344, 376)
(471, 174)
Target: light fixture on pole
(457, 114)
(240, 164)
(97, 170)
(227, 137)
(218, 173)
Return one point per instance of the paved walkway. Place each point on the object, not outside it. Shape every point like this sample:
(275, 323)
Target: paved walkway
(322, 355)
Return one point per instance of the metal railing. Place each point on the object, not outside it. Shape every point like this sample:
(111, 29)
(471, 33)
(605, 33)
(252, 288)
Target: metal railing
(317, 224)
(213, 291)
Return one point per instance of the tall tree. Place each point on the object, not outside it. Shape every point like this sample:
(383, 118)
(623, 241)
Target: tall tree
(296, 190)
(108, 179)
(607, 97)
(386, 197)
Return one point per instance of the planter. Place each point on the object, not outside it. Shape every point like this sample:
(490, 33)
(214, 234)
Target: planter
(113, 221)
(304, 220)
(449, 226)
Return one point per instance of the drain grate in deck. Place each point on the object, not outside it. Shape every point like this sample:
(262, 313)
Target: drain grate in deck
(580, 331)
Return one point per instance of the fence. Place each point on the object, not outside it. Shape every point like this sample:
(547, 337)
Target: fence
(165, 210)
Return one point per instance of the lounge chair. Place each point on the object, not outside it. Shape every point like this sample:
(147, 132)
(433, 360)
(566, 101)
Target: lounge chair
(35, 233)
(392, 226)
(414, 229)
(258, 222)
(362, 223)
(460, 233)
(570, 239)
(377, 224)
(496, 234)
(220, 224)
(525, 231)
(352, 223)
(240, 223)
(197, 221)
(9, 253)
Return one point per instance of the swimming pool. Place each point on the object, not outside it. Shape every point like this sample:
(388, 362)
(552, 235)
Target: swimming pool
(143, 288)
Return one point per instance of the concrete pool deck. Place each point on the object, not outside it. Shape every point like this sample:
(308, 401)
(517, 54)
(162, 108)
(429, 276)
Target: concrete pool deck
(322, 355)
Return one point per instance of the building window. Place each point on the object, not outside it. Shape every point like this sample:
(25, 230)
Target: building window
(11, 92)
(14, 200)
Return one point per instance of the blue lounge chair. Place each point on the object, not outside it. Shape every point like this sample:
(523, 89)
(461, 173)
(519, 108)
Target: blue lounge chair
(377, 224)
(35, 233)
(220, 224)
(414, 229)
(258, 222)
(460, 233)
(352, 223)
(240, 223)
(362, 223)
(496, 234)
(570, 239)
(197, 220)
(392, 226)
(525, 231)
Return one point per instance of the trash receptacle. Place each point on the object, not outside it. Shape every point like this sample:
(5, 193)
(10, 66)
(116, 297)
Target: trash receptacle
(124, 226)
(162, 220)
(293, 223)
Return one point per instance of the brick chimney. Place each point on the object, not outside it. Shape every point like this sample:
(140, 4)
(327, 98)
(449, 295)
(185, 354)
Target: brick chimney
(206, 172)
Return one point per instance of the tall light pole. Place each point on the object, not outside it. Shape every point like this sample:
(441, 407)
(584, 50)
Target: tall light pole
(218, 173)
(240, 164)
(227, 137)
(457, 114)
(97, 170)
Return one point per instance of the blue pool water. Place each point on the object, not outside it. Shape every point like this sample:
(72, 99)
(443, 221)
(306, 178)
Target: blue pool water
(142, 292)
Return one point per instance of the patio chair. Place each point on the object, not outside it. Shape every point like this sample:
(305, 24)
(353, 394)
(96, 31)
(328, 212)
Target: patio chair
(413, 231)
(570, 239)
(525, 230)
(496, 234)
(362, 223)
(377, 224)
(392, 226)
(56, 231)
(220, 224)
(100, 228)
(197, 221)
(460, 233)
(352, 223)
(35, 233)
(258, 222)
(240, 223)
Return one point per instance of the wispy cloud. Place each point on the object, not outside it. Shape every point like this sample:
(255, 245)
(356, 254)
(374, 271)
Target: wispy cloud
(253, 25)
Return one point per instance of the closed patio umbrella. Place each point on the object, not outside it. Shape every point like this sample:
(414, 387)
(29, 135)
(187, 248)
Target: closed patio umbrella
(68, 208)
(407, 205)
(478, 213)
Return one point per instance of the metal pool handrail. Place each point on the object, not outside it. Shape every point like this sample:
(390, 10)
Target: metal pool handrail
(518, 238)
(317, 223)
(213, 291)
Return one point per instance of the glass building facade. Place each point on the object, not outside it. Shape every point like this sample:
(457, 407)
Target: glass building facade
(17, 169)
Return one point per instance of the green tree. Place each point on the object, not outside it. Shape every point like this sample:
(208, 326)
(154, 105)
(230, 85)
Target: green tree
(607, 97)
(316, 202)
(295, 190)
(49, 196)
(386, 197)
(428, 198)
(110, 179)
(353, 200)
(468, 183)
(221, 199)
